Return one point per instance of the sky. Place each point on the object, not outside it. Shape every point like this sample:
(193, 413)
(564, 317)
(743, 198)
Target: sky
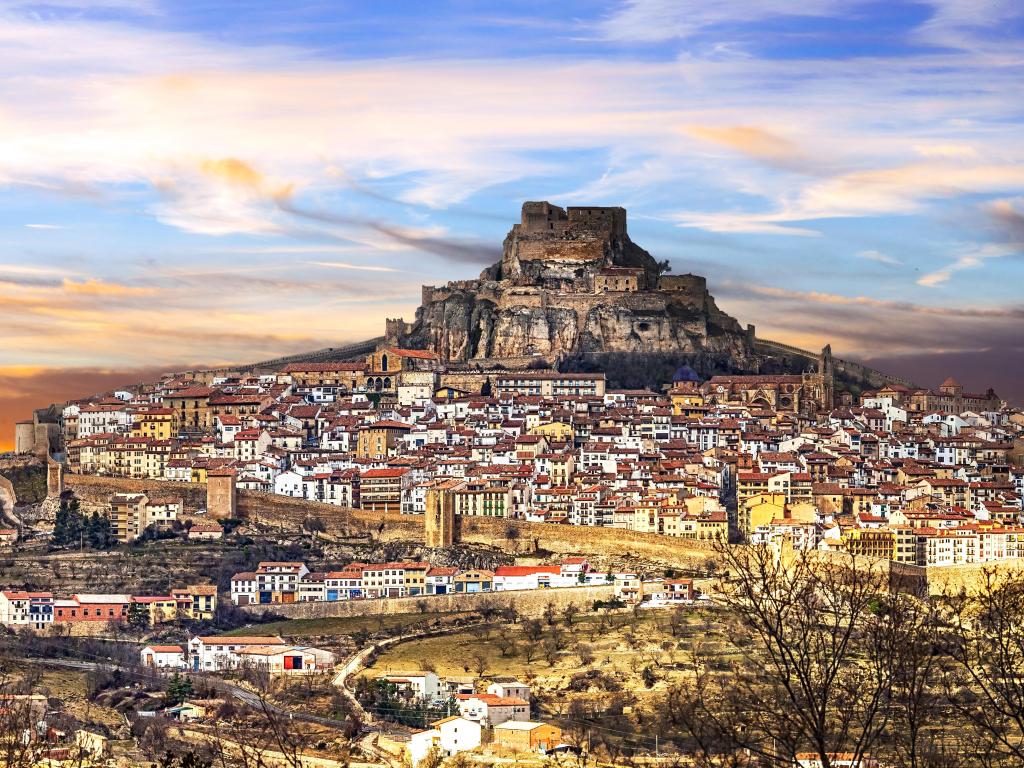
(196, 183)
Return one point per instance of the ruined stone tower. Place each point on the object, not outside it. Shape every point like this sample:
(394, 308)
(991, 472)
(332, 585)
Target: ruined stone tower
(221, 496)
(54, 479)
(439, 519)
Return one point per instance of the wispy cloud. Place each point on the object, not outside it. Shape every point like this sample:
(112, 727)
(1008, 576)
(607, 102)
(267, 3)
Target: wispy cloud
(863, 326)
(1008, 215)
(41, 6)
(288, 173)
(653, 21)
(971, 260)
(356, 267)
(765, 145)
(956, 24)
(101, 288)
(880, 257)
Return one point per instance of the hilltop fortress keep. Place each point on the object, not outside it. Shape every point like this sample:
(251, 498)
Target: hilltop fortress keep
(572, 286)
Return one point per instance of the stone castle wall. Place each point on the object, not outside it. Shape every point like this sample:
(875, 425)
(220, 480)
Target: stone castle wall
(529, 603)
(951, 579)
(95, 489)
(513, 536)
(688, 284)
(609, 219)
(857, 371)
(560, 250)
(519, 299)
(654, 302)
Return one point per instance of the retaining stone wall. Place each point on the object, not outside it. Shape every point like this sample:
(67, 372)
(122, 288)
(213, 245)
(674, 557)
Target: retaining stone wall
(530, 603)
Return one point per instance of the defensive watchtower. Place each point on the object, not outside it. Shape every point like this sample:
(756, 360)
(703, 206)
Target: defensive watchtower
(439, 518)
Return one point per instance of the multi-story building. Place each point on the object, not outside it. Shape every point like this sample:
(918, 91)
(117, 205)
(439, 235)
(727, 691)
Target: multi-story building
(380, 490)
(549, 384)
(197, 602)
(131, 514)
(31, 609)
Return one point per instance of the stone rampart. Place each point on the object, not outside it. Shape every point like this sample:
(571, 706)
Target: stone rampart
(97, 490)
(514, 536)
(528, 602)
(505, 302)
(854, 370)
(951, 579)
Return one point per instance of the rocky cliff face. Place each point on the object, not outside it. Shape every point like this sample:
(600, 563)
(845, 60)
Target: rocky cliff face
(571, 285)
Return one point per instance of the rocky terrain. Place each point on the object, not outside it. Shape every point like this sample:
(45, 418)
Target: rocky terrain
(570, 287)
(27, 475)
(22, 487)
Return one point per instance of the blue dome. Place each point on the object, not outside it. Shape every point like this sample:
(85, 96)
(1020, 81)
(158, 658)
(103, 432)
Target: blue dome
(685, 373)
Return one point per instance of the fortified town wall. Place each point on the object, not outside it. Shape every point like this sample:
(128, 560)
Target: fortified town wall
(952, 579)
(514, 536)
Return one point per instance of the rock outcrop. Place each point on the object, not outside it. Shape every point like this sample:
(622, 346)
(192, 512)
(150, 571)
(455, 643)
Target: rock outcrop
(570, 287)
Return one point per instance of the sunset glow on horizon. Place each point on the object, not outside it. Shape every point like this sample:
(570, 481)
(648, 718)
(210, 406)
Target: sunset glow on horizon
(190, 185)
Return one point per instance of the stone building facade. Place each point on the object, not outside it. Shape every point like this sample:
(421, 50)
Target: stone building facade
(805, 393)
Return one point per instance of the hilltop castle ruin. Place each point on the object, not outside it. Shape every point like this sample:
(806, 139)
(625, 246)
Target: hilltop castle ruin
(572, 285)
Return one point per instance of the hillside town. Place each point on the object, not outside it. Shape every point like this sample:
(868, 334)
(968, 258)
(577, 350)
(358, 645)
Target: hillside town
(413, 553)
(919, 476)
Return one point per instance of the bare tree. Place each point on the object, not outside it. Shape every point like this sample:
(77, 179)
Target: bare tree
(530, 651)
(506, 641)
(533, 630)
(19, 715)
(480, 663)
(586, 654)
(921, 732)
(263, 738)
(986, 687)
(819, 639)
(551, 648)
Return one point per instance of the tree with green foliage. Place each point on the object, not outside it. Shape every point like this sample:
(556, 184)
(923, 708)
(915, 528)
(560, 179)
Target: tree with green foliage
(389, 702)
(74, 528)
(70, 523)
(137, 616)
(98, 533)
(178, 689)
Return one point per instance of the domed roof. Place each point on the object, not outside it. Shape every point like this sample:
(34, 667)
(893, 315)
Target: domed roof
(685, 373)
(950, 382)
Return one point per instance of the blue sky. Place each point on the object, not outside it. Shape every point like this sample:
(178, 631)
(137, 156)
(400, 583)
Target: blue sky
(187, 183)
